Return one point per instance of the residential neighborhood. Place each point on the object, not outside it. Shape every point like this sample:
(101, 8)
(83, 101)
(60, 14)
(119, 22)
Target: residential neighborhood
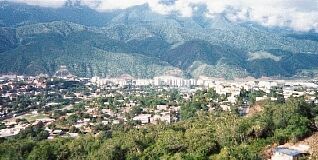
(71, 106)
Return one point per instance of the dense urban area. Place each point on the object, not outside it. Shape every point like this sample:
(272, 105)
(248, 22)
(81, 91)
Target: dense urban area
(167, 117)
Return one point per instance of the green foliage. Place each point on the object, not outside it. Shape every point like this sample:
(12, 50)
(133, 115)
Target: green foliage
(219, 135)
(36, 133)
(199, 102)
(16, 149)
(201, 142)
(42, 151)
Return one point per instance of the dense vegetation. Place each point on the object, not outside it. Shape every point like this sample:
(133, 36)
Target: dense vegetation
(36, 40)
(203, 135)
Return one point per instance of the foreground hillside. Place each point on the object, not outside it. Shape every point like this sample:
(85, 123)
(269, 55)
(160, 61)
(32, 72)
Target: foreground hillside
(214, 135)
(38, 40)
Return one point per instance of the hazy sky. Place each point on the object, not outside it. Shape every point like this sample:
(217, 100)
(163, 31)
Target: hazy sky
(301, 15)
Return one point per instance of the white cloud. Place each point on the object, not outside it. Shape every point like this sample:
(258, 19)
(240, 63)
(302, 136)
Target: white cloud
(44, 3)
(301, 15)
(119, 4)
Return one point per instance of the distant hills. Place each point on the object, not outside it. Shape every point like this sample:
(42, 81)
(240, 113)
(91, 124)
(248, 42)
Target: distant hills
(144, 44)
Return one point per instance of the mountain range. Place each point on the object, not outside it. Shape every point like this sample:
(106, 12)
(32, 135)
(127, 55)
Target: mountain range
(144, 44)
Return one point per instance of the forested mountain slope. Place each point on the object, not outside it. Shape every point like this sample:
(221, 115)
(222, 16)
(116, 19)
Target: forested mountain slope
(142, 43)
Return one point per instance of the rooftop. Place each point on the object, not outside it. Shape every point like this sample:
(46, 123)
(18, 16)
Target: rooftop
(287, 151)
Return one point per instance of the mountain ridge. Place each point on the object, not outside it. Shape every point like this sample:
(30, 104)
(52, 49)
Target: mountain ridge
(167, 41)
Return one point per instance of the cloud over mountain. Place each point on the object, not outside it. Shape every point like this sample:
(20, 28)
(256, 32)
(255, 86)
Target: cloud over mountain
(300, 15)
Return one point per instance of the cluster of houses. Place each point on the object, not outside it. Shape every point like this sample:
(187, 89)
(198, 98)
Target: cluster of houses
(12, 128)
(162, 113)
(12, 87)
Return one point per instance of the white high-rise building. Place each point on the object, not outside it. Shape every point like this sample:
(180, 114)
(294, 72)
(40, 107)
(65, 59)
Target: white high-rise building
(173, 81)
